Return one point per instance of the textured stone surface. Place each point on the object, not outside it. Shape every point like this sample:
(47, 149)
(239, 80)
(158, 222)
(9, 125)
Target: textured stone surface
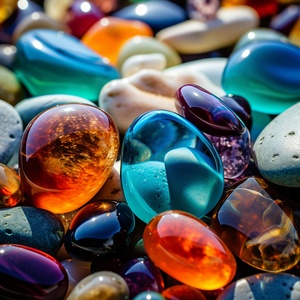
(277, 149)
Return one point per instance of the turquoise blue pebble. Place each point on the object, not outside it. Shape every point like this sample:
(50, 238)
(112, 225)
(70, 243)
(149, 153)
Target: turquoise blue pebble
(194, 184)
(31, 107)
(156, 13)
(263, 286)
(32, 227)
(149, 295)
(11, 129)
(266, 73)
(53, 62)
(152, 172)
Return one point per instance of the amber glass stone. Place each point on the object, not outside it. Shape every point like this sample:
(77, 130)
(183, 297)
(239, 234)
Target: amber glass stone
(7, 7)
(66, 155)
(186, 249)
(107, 36)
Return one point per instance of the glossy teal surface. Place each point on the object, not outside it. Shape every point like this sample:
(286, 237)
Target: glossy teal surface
(266, 73)
(167, 163)
(53, 62)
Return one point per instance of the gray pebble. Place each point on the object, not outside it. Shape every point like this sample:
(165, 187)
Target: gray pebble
(11, 129)
(31, 226)
(277, 149)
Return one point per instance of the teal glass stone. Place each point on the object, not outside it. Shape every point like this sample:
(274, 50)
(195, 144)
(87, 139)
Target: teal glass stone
(54, 62)
(266, 73)
(168, 163)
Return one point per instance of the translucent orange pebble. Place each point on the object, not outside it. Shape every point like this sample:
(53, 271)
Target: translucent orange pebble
(10, 191)
(66, 155)
(185, 248)
(7, 7)
(107, 36)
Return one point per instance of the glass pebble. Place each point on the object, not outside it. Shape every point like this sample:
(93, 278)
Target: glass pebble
(202, 10)
(258, 226)
(10, 187)
(163, 160)
(66, 155)
(7, 8)
(142, 275)
(182, 292)
(99, 229)
(27, 273)
(185, 248)
(149, 295)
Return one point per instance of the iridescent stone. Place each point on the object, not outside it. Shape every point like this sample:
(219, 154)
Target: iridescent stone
(268, 82)
(101, 285)
(53, 62)
(202, 10)
(141, 275)
(66, 155)
(182, 292)
(99, 229)
(10, 190)
(161, 149)
(222, 126)
(27, 273)
(113, 32)
(257, 226)
(188, 250)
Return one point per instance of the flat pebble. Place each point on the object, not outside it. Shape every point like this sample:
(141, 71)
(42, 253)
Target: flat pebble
(11, 129)
(32, 227)
(277, 149)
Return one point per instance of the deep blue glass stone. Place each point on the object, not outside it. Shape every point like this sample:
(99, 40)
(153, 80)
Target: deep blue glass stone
(207, 111)
(99, 229)
(30, 274)
(141, 275)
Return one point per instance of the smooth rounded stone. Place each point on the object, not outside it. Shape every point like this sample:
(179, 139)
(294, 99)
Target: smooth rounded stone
(202, 10)
(7, 8)
(268, 80)
(11, 129)
(259, 34)
(126, 99)
(194, 36)
(263, 286)
(36, 20)
(156, 13)
(7, 55)
(276, 149)
(31, 226)
(102, 285)
(135, 63)
(30, 107)
(185, 248)
(147, 45)
(158, 148)
(27, 273)
(182, 292)
(146, 295)
(53, 62)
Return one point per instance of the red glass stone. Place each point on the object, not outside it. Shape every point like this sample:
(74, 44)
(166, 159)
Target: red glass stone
(182, 292)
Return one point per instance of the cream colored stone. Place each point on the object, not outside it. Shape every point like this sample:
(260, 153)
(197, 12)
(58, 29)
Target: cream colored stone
(135, 63)
(194, 36)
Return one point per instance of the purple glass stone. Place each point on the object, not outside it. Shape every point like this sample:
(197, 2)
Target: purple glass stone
(27, 273)
(207, 111)
(141, 275)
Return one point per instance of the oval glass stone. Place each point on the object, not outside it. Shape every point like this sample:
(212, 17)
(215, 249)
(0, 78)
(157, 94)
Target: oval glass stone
(269, 81)
(258, 226)
(99, 229)
(167, 163)
(30, 274)
(66, 155)
(188, 250)
(182, 292)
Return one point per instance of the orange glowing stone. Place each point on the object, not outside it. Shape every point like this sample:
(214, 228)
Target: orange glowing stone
(186, 249)
(7, 7)
(66, 155)
(107, 36)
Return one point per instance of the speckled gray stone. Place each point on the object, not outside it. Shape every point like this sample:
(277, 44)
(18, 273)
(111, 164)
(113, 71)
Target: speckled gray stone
(31, 226)
(11, 129)
(277, 149)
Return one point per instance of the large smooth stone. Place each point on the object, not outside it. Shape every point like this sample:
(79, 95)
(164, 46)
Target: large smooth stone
(11, 129)
(31, 107)
(157, 14)
(31, 226)
(52, 62)
(260, 286)
(277, 149)
(194, 36)
(266, 74)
